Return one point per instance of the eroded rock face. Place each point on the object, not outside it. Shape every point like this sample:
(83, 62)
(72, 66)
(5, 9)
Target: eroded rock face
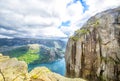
(94, 50)
(12, 69)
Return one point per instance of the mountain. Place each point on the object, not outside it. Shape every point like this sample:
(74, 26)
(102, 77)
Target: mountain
(93, 52)
(25, 41)
(33, 51)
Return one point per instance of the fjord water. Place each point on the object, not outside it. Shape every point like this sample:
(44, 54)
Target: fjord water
(56, 66)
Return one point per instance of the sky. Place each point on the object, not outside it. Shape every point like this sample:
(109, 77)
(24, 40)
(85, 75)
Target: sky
(47, 18)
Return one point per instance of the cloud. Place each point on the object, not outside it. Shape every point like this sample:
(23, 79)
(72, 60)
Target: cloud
(101, 5)
(68, 30)
(32, 18)
(94, 7)
(47, 18)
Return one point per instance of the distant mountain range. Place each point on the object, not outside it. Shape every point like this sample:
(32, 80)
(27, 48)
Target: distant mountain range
(33, 51)
(25, 41)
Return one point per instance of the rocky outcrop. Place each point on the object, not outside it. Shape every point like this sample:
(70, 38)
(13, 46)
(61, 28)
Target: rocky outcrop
(13, 70)
(94, 50)
(44, 74)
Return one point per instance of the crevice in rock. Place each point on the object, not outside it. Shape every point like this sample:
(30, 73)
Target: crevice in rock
(82, 59)
(2, 74)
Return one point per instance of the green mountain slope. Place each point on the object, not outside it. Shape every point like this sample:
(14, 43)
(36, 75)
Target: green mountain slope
(34, 53)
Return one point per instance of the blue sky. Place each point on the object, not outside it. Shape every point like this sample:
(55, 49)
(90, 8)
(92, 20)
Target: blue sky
(83, 3)
(47, 18)
(66, 23)
(85, 8)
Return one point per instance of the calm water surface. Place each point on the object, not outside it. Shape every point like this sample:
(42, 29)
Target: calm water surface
(56, 66)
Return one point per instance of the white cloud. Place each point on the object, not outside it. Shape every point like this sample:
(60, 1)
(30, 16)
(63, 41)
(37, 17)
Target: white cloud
(32, 16)
(35, 18)
(75, 11)
(52, 31)
(45, 32)
(101, 5)
(68, 30)
(4, 36)
(96, 6)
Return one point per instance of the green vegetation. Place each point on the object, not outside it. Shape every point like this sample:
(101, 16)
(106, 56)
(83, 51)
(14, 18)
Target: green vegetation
(95, 24)
(83, 31)
(26, 53)
(74, 38)
(30, 56)
(79, 33)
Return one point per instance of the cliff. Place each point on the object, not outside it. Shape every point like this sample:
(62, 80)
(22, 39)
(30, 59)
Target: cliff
(13, 70)
(93, 52)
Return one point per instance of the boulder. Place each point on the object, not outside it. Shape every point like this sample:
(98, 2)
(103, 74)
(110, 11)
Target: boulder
(12, 69)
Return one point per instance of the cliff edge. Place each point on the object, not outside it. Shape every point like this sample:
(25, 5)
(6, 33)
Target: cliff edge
(93, 52)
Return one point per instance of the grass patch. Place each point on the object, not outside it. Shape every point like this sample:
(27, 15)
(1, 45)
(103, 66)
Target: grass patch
(28, 53)
(30, 56)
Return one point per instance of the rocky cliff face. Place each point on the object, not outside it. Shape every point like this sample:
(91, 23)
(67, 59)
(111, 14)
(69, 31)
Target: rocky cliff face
(94, 50)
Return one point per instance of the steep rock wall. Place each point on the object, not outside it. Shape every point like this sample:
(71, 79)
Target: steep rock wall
(94, 50)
